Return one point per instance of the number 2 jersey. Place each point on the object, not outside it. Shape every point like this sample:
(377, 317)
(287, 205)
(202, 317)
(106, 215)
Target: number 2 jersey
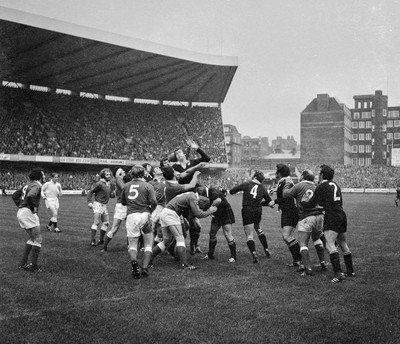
(253, 194)
(328, 195)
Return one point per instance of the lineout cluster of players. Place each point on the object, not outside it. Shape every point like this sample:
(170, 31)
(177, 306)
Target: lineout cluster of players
(161, 204)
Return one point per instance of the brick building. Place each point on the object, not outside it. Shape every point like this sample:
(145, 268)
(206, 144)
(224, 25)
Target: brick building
(325, 132)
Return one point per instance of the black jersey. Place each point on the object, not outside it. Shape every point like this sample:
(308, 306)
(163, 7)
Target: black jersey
(286, 204)
(192, 162)
(253, 194)
(328, 195)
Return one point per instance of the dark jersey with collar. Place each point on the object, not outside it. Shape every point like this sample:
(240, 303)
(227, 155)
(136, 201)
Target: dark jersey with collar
(139, 197)
(214, 194)
(185, 202)
(28, 196)
(101, 191)
(253, 194)
(286, 204)
(159, 188)
(192, 162)
(328, 195)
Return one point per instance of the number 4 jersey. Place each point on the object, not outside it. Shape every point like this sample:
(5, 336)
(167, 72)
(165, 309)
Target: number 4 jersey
(253, 194)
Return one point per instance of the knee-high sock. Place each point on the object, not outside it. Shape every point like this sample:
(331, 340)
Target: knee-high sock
(232, 248)
(263, 240)
(252, 246)
(348, 261)
(35, 255)
(211, 247)
(294, 249)
(335, 261)
(27, 250)
(305, 257)
(320, 252)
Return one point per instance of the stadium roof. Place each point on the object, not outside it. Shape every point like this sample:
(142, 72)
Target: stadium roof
(43, 51)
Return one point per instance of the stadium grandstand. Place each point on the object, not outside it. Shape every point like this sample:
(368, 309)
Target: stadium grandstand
(75, 99)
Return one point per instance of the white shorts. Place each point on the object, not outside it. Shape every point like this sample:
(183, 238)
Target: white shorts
(100, 208)
(169, 217)
(155, 215)
(311, 224)
(27, 219)
(136, 223)
(120, 211)
(52, 203)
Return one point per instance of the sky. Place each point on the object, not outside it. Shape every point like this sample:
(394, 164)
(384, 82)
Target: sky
(288, 51)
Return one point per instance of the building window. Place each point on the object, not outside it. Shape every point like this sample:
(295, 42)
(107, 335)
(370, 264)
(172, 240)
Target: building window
(373, 112)
(356, 115)
(396, 136)
(367, 161)
(361, 136)
(361, 149)
(368, 124)
(354, 125)
(368, 136)
(354, 149)
(354, 137)
(354, 161)
(393, 114)
(361, 161)
(367, 149)
(361, 125)
(365, 115)
(365, 105)
(397, 123)
(389, 136)
(389, 124)
(384, 127)
(384, 141)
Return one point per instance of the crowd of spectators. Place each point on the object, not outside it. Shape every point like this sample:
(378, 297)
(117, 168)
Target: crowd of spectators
(39, 123)
(368, 177)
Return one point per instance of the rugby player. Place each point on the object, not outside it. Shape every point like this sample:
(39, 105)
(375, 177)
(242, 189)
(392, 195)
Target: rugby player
(120, 210)
(254, 197)
(289, 215)
(159, 186)
(223, 217)
(140, 199)
(310, 220)
(27, 199)
(181, 166)
(171, 223)
(328, 195)
(51, 191)
(102, 193)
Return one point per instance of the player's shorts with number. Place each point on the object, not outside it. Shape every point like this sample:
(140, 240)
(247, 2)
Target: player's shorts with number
(100, 208)
(120, 211)
(136, 224)
(27, 219)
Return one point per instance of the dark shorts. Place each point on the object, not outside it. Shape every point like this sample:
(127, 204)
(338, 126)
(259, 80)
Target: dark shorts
(335, 221)
(251, 215)
(289, 218)
(225, 218)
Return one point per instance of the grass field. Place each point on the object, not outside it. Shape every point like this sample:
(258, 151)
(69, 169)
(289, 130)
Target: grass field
(85, 296)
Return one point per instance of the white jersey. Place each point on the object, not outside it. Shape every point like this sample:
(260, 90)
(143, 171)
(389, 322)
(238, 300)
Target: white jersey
(51, 190)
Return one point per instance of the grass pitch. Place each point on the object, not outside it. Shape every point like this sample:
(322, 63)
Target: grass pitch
(85, 296)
